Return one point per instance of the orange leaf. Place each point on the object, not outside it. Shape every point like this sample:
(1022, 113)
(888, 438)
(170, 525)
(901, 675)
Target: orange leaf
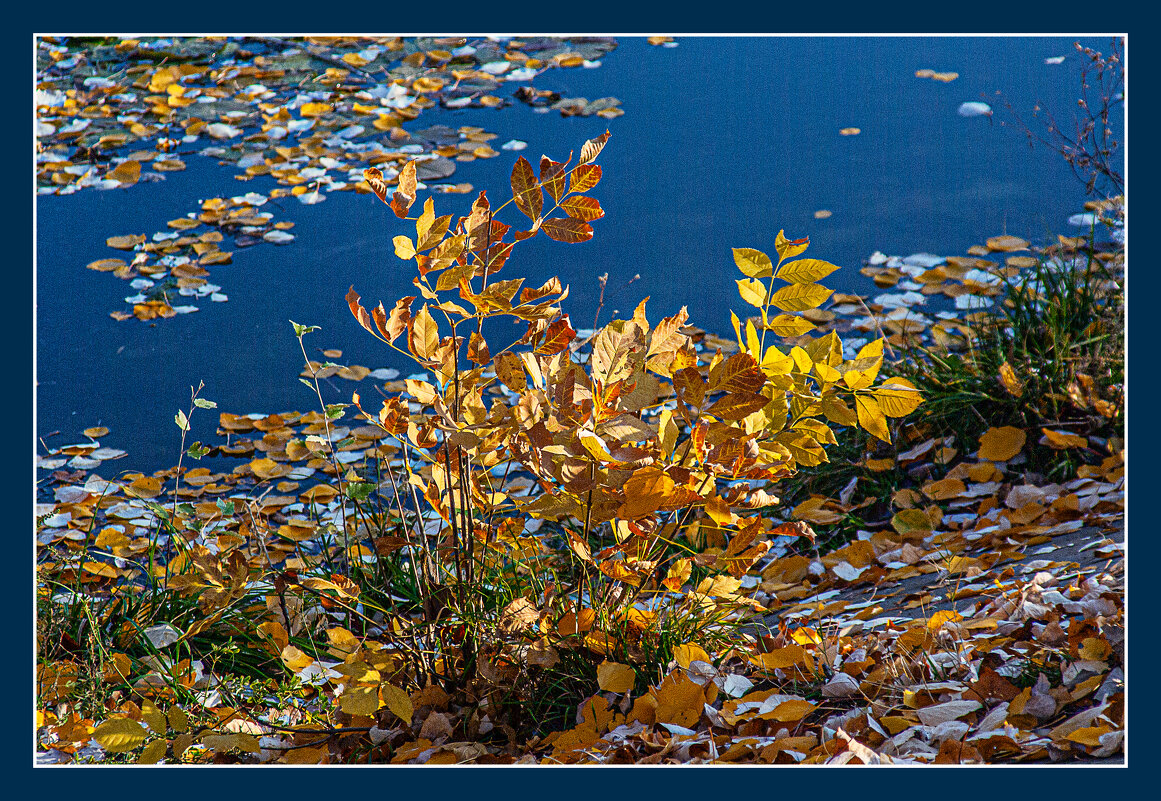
(1002, 443)
(582, 208)
(525, 189)
(567, 229)
(584, 177)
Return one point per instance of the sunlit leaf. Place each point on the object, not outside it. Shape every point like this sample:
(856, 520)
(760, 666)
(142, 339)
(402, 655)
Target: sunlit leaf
(800, 297)
(615, 678)
(119, 735)
(567, 229)
(593, 147)
(805, 271)
(753, 263)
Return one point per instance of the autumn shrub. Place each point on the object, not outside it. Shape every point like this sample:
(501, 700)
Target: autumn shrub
(563, 507)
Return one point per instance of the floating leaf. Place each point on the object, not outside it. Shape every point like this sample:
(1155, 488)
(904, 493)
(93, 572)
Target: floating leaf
(127, 172)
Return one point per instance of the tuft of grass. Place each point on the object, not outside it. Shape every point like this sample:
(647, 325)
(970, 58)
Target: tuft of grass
(1059, 329)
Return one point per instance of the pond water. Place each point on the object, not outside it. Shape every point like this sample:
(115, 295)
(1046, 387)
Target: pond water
(723, 142)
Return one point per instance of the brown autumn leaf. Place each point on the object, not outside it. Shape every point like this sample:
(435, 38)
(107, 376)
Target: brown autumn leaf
(567, 229)
(127, 172)
(557, 338)
(582, 207)
(526, 190)
(404, 195)
(584, 177)
(552, 177)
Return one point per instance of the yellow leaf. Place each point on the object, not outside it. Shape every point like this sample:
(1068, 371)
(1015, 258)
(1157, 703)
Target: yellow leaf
(646, 491)
(362, 701)
(295, 659)
(944, 489)
(780, 658)
(688, 653)
(1062, 439)
(910, 521)
(404, 249)
(800, 297)
(127, 172)
(789, 711)
(871, 417)
(752, 291)
(753, 263)
(788, 325)
(314, 109)
(119, 735)
(423, 338)
(153, 716)
(872, 350)
(614, 677)
(1009, 382)
(1001, 444)
(152, 753)
(398, 701)
(858, 379)
(897, 397)
(936, 621)
(805, 271)
(1090, 735)
(788, 249)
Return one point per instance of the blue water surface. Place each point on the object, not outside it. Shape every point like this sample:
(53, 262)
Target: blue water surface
(724, 142)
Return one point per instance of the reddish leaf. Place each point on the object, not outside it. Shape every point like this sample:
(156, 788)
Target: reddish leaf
(584, 177)
(557, 337)
(567, 230)
(737, 405)
(525, 189)
(582, 208)
(359, 312)
(552, 177)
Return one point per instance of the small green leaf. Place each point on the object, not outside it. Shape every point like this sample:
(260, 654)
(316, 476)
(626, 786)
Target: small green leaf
(360, 491)
(181, 421)
(225, 507)
(202, 403)
(300, 330)
(335, 410)
(197, 451)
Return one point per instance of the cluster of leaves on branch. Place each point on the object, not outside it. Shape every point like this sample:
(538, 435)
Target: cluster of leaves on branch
(638, 449)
